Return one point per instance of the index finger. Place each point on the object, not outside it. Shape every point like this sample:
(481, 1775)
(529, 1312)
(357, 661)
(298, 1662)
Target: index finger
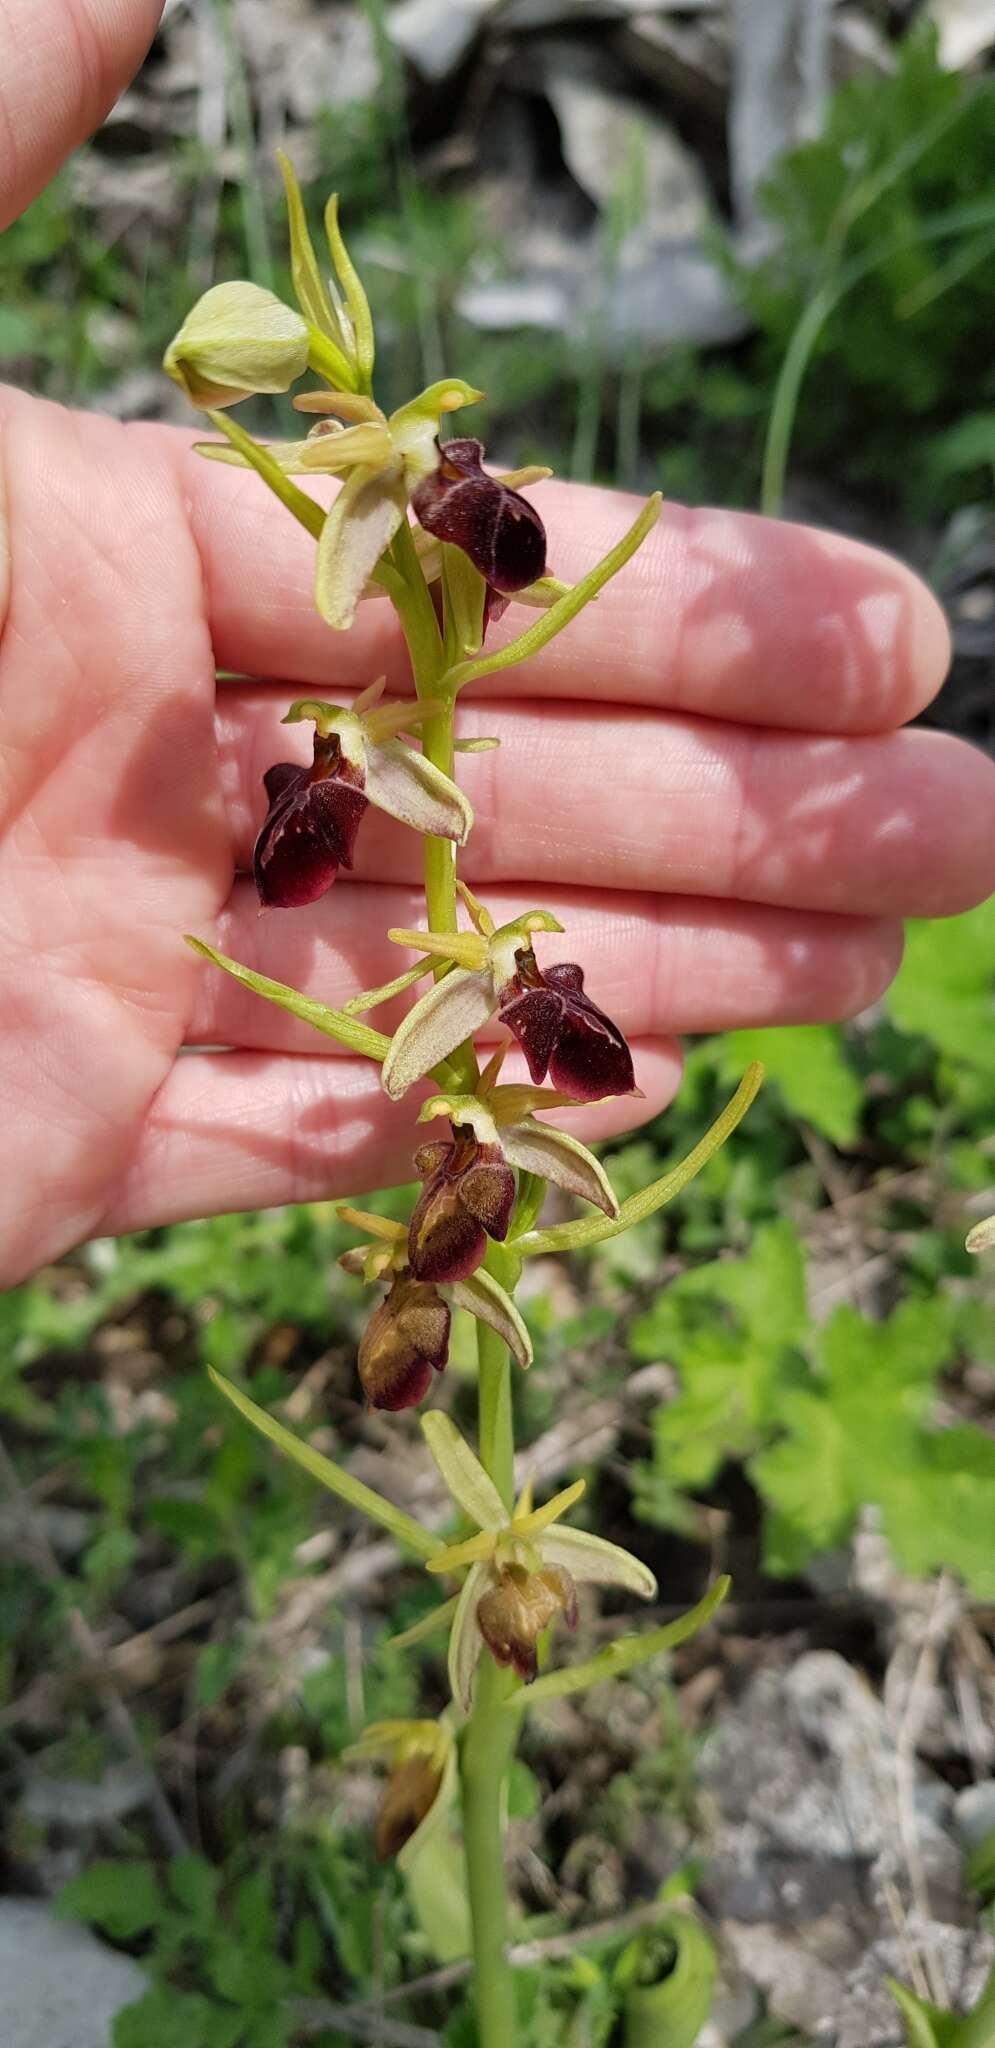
(720, 613)
(63, 67)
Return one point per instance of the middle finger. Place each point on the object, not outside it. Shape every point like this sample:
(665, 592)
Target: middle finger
(900, 824)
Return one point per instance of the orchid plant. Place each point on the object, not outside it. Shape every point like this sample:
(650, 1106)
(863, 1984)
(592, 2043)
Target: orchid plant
(420, 523)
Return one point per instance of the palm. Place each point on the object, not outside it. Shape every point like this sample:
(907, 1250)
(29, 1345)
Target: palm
(741, 859)
(116, 838)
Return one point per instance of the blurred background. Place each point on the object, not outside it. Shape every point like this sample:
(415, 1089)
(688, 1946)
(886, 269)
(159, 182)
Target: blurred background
(742, 251)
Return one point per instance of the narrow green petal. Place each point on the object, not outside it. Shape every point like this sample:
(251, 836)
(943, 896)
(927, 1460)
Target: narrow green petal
(564, 610)
(565, 1237)
(537, 1519)
(457, 1556)
(333, 1023)
(288, 455)
(483, 1297)
(592, 1560)
(361, 447)
(453, 1010)
(402, 1527)
(371, 998)
(361, 524)
(625, 1654)
(462, 1473)
(403, 783)
(540, 1148)
(466, 1641)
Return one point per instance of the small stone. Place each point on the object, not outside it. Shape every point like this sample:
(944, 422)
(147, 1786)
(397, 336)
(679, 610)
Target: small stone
(62, 1988)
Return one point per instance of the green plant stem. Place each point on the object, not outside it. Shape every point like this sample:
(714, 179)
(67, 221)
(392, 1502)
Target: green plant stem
(489, 1737)
(486, 1748)
(494, 1399)
(484, 1758)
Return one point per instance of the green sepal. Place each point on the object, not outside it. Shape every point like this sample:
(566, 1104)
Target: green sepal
(304, 509)
(354, 295)
(402, 1527)
(332, 1023)
(562, 612)
(566, 1237)
(674, 2008)
(309, 285)
(621, 1656)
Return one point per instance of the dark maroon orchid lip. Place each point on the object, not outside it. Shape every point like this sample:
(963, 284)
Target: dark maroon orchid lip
(563, 1033)
(467, 1197)
(310, 828)
(495, 526)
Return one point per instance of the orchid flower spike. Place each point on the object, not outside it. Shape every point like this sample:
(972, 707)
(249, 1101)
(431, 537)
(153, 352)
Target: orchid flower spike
(314, 813)
(407, 1336)
(421, 1787)
(523, 1568)
(561, 1031)
(469, 1186)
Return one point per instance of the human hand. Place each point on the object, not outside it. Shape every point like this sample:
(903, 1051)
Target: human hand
(704, 779)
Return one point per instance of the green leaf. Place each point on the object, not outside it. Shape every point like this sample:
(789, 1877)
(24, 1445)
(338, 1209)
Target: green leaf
(943, 992)
(123, 1899)
(673, 2009)
(807, 1064)
(194, 1883)
(332, 1023)
(402, 1527)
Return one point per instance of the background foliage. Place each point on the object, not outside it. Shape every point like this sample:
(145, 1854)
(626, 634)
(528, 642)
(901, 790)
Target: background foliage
(802, 1352)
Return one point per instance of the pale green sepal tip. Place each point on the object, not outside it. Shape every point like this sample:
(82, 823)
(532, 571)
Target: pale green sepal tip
(621, 1656)
(462, 1473)
(335, 1024)
(982, 1237)
(399, 1525)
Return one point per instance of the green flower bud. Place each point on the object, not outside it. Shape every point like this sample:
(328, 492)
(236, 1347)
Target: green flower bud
(237, 340)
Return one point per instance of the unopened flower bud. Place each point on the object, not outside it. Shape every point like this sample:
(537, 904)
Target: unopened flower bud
(237, 340)
(405, 1339)
(514, 1611)
(467, 1197)
(498, 528)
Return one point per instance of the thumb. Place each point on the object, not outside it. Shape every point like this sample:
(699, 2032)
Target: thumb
(64, 62)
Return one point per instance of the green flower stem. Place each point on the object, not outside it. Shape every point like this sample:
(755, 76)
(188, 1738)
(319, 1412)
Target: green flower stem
(494, 1400)
(485, 1754)
(489, 1740)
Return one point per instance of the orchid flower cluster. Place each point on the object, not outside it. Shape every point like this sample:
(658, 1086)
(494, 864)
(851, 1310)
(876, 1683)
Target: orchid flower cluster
(420, 522)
